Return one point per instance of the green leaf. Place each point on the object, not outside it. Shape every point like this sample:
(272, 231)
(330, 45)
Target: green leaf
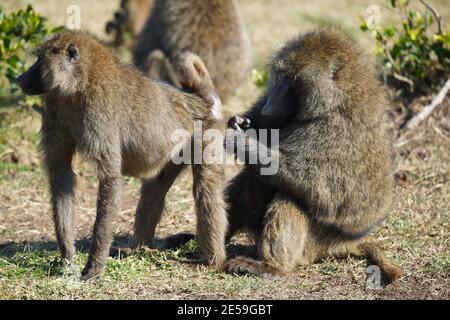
(364, 27)
(390, 32)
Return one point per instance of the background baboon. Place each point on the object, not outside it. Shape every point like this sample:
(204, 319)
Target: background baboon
(214, 30)
(131, 18)
(122, 122)
(334, 180)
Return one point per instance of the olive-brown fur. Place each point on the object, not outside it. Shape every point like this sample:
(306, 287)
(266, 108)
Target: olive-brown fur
(333, 185)
(121, 122)
(131, 18)
(213, 29)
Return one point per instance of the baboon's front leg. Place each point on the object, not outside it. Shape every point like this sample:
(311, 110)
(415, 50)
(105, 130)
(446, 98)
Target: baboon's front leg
(108, 204)
(62, 184)
(211, 211)
(58, 153)
(151, 203)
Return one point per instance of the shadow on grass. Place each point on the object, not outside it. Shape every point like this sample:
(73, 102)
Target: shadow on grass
(46, 259)
(11, 248)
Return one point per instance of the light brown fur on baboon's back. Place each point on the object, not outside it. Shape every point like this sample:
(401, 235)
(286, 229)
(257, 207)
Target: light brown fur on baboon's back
(214, 30)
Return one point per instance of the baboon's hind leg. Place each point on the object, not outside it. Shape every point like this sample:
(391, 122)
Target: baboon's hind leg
(159, 67)
(211, 211)
(151, 203)
(281, 244)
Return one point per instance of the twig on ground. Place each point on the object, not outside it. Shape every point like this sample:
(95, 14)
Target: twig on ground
(412, 123)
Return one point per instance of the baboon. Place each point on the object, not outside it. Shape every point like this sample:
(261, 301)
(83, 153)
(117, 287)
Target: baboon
(131, 18)
(121, 121)
(333, 184)
(214, 30)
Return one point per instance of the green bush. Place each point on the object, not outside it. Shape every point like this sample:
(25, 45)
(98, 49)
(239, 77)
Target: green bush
(19, 31)
(413, 56)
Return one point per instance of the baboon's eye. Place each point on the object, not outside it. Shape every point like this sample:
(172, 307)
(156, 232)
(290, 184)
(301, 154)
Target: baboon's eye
(54, 50)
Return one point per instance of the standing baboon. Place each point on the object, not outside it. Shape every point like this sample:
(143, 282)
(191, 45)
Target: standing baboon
(131, 18)
(214, 30)
(122, 122)
(334, 179)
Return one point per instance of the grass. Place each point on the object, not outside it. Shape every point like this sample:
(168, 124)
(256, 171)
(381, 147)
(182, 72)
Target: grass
(416, 235)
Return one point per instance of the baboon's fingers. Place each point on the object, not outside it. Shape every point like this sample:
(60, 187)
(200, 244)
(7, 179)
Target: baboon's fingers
(233, 123)
(247, 266)
(239, 123)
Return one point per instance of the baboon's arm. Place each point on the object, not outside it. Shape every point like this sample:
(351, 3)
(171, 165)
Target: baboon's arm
(290, 167)
(58, 150)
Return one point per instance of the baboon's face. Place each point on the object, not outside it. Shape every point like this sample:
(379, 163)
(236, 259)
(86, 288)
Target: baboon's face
(284, 97)
(55, 67)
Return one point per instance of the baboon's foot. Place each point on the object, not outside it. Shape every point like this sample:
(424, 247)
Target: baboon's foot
(91, 271)
(247, 266)
(217, 262)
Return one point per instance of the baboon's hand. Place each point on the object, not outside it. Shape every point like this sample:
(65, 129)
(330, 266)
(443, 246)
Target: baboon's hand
(239, 123)
(236, 138)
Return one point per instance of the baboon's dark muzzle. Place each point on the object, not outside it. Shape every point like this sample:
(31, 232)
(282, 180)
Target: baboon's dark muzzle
(31, 81)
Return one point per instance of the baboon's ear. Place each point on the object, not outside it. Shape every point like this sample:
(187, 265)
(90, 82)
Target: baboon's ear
(73, 53)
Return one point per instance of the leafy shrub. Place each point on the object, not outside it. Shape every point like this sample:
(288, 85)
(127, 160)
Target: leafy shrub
(19, 31)
(414, 57)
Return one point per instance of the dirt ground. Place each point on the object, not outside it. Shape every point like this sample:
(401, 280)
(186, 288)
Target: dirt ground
(416, 235)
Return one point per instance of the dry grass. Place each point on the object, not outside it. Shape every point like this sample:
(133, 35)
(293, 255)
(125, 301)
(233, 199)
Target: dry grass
(416, 236)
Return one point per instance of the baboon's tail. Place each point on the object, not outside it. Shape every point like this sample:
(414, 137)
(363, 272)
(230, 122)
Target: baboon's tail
(195, 77)
(374, 253)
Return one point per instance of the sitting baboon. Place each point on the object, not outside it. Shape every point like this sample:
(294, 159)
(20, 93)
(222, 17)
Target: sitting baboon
(122, 122)
(130, 18)
(214, 30)
(333, 184)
